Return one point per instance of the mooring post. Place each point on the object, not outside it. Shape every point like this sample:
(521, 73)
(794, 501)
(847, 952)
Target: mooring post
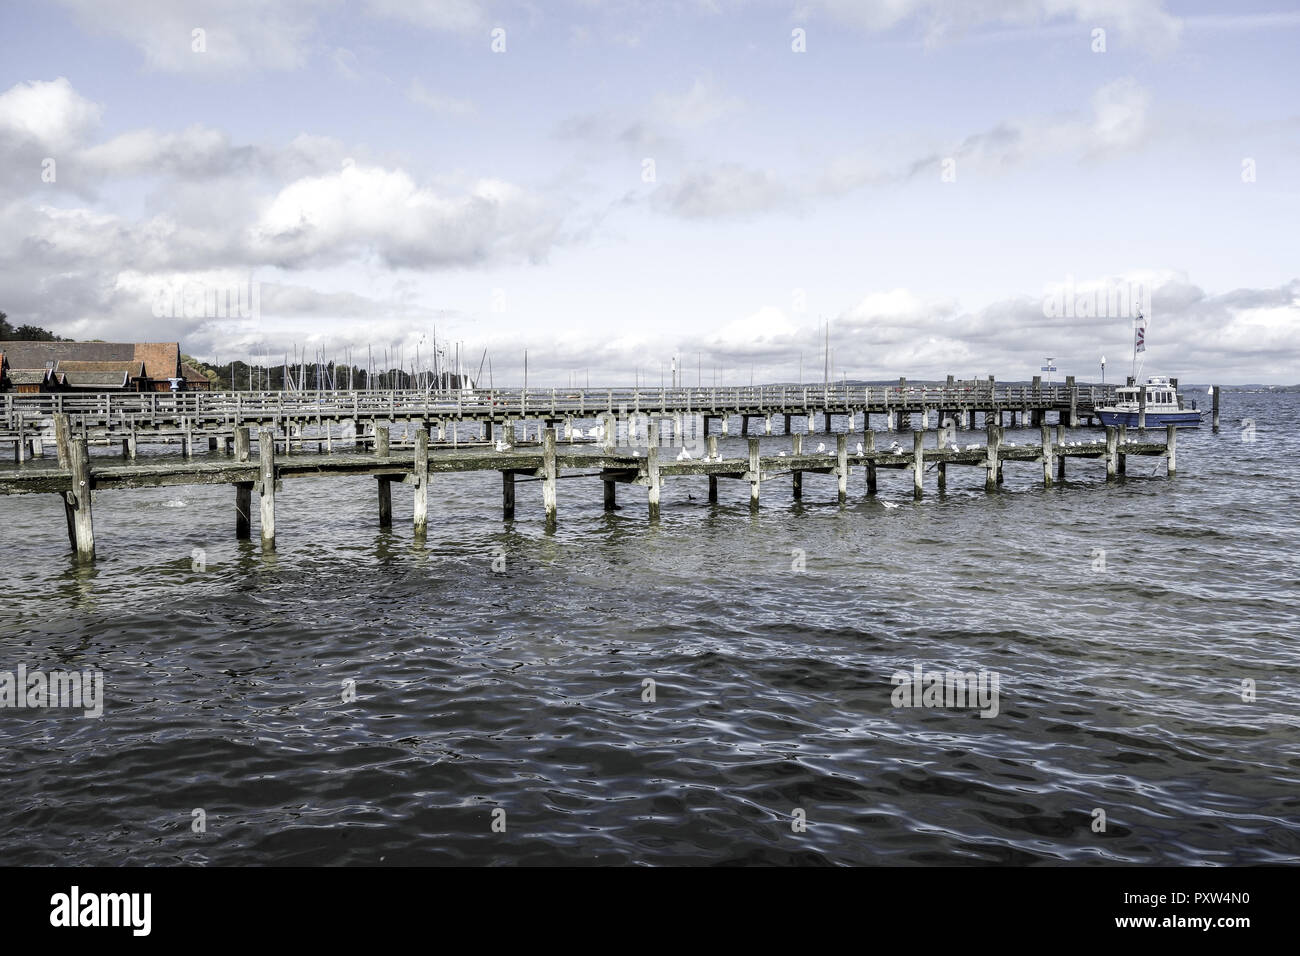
(713, 479)
(1171, 449)
(549, 474)
(918, 463)
(755, 473)
(507, 494)
(652, 469)
(420, 509)
(787, 423)
(1214, 420)
(869, 446)
(243, 489)
(1112, 452)
(797, 482)
(611, 494)
(384, 483)
(610, 425)
(77, 502)
(1121, 442)
(1074, 406)
(1045, 434)
(767, 424)
(992, 467)
(1060, 456)
(1142, 407)
(842, 465)
(266, 485)
(941, 442)
(810, 429)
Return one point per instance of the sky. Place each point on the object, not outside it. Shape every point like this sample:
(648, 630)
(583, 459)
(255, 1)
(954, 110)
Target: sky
(933, 186)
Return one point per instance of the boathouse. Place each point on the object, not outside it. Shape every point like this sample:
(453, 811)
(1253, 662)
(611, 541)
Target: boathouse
(37, 366)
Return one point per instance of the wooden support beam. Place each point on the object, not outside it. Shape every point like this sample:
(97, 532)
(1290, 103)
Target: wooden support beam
(266, 483)
(1171, 449)
(550, 472)
(611, 495)
(1142, 407)
(1121, 441)
(713, 479)
(1214, 416)
(1112, 452)
(420, 505)
(941, 442)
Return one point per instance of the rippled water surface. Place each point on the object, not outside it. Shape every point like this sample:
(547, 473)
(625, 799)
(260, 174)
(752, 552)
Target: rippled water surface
(1120, 690)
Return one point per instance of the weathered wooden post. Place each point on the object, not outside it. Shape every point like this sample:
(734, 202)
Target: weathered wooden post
(713, 479)
(1046, 438)
(63, 439)
(869, 446)
(385, 484)
(755, 473)
(918, 463)
(507, 494)
(1171, 449)
(610, 424)
(1060, 457)
(652, 470)
(1142, 408)
(842, 465)
(797, 477)
(243, 489)
(1074, 407)
(941, 442)
(549, 474)
(1121, 442)
(611, 494)
(266, 486)
(420, 478)
(992, 466)
(1112, 452)
(1214, 418)
(77, 502)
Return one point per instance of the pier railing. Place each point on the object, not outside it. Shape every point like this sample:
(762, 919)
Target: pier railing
(536, 402)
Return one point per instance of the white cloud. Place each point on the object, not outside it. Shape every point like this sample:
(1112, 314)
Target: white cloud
(51, 115)
(438, 103)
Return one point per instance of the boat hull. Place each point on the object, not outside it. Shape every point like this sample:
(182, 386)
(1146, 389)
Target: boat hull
(1183, 419)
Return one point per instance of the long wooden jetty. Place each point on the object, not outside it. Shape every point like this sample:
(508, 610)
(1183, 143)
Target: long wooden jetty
(75, 479)
(190, 419)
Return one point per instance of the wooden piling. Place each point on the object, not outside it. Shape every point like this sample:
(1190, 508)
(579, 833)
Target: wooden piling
(384, 482)
(941, 442)
(652, 471)
(797, 477)
(755, 472)
(550, 473)
(992, 466)
(918, 463)
(1112, 452)
(1214, 418)
(1142, 408)
(713, 479)
(1045, 437)
(842, 465)
(611, 494)
(869, 445)
(266, 486)
(243, 489)
(1171, 449)
(508, 494)
(77, 502)
(420, 478)
(1121, 443)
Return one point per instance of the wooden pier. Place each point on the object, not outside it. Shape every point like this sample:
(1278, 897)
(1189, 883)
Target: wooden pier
(193, 420)
(76, 477)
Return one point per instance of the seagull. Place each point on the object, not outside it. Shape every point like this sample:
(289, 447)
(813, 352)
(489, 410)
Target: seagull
(821, 446)
(683, 455)
(859, 448)
(780, 454)
(501, 446)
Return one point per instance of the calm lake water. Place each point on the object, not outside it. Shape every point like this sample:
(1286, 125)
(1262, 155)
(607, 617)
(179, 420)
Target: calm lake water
(1121, 689)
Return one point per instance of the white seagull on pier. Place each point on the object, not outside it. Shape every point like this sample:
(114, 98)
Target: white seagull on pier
(821, 446)
(683, 455)
(859, 448)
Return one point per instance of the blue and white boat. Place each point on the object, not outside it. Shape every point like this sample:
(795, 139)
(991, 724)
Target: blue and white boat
(1164, 406)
